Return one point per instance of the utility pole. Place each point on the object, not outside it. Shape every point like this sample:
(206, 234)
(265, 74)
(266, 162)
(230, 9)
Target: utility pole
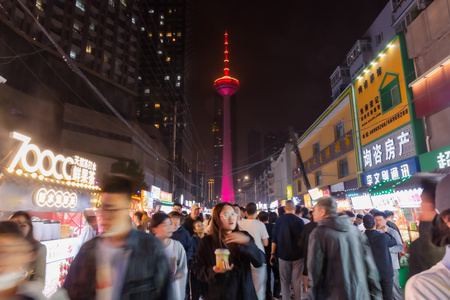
(174, 143)
(294, 138)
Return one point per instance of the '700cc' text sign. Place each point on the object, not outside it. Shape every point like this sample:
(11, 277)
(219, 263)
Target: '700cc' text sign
(46, 163)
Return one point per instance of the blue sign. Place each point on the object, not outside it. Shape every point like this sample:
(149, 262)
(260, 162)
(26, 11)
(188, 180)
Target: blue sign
(394, 171)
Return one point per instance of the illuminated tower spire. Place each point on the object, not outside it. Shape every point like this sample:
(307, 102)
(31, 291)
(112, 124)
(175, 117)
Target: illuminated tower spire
(226, 86)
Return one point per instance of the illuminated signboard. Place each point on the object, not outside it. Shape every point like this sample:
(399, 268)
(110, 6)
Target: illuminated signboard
(274, 204)
(289, 191)
(165, 196)
(156, 192)
(362, 202)
(55, 198)
(437, 159)
(29, 158)
(395, 171)
(381, 95)
(393, 147)
(383, 202)
(409, 198)
(318, 193)
(343, 205)
(307, 199)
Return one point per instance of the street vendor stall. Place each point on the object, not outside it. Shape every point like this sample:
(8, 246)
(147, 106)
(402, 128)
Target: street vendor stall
(54, 190)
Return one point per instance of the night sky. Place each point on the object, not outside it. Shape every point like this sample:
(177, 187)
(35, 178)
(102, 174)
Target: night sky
(282, 52)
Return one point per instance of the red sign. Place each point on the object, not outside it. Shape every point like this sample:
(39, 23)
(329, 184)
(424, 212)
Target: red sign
(343, 205)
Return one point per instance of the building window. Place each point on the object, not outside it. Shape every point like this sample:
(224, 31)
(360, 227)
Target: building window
(168, 58)
(157, 105)
(390, 95)
(156, 125)
(133, 20)
(178, 77)
(80, 5)
(167, 77)
(151, 11)
(73, 55)
(318, 176)
(178, 84)
(316, 148)
(88, 49)
(161, 23)
(299, 186)
(147, 91)
(343, 168)
(379, 38)
(92, 26)
(160, 52)
(339, 129)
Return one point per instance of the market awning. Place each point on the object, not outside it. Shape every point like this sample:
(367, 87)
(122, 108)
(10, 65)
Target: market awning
(386, 186)
(415, 181)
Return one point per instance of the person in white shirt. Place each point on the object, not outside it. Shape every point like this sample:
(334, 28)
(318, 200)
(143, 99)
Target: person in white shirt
(434, 284)
(162, 229)
(259, 233)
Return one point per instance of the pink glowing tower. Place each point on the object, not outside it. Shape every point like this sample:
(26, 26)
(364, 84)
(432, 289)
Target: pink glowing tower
(226, 86)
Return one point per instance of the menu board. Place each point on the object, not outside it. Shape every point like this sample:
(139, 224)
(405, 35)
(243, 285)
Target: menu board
(362, 202)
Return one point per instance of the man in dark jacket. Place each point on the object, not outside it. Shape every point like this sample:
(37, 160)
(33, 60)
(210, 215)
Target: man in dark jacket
(122, 263)
(340, 263)
(303, 243)
(286, 235)
(180, 234)
(189, 220)
(379, 244)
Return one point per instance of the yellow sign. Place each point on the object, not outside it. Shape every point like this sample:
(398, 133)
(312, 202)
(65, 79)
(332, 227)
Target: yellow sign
(289, 191)
(381, 99)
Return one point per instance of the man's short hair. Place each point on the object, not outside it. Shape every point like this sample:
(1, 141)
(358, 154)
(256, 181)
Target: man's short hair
(177, 204)
(359, 216)
(236, 205)
(380, 214)
(263, 216)
(242, 209)
(389, 213)
(329, 204)
(298, 209)
(175, 214)
(251, 208)
(117, 184)
(290, 205)
(349, 214)
(139, 215)
(373, 211)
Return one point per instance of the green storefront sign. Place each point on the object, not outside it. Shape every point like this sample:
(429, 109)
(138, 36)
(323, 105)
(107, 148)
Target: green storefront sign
(437, 159)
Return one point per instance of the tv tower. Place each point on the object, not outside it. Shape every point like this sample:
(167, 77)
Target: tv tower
(226, 86)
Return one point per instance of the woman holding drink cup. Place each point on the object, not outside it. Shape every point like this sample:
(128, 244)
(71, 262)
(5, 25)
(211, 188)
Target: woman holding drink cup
(223, 258)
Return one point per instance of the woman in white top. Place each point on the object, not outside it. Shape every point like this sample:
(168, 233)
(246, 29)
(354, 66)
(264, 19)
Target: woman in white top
(162, 229)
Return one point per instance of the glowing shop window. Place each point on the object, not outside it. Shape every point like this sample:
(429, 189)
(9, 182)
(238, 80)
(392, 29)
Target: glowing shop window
(157, 105)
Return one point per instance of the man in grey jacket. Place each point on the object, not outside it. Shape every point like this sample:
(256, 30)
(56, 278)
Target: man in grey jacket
(340, 262)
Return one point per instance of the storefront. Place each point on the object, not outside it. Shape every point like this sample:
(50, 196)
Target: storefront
(54, 190)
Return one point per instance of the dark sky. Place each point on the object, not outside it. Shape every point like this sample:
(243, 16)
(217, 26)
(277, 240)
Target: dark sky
(282, 52)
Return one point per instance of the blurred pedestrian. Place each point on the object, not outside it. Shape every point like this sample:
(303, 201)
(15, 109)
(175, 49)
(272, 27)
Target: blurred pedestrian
(189, 220)
(230, 279)
(423, 254)
(243, 212)
(379, 244)
(197, 287)
(340, 262)
(37, 268)
(258, 231)
(145, 222)
(303, 243)
(271, 267)
(137, 219)
(237, 210)
(300, 213)
(16, 254)
(121, 263)
(177, 207)
(281, 211)
(90, 229)
(390, 222)
(285, 245)
(162, 228)
(381, 222)
(434, 284)
(180, 234)
(359, 223)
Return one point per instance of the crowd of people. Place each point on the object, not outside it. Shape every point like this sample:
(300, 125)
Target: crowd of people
(237, 253)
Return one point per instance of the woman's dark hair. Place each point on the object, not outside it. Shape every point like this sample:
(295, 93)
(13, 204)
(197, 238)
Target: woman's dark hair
(158, 218)
(272, 217)
(281, 211)
(305, 212)
(139, 215)
(216, 229)
(263, 216)
(27, 217)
